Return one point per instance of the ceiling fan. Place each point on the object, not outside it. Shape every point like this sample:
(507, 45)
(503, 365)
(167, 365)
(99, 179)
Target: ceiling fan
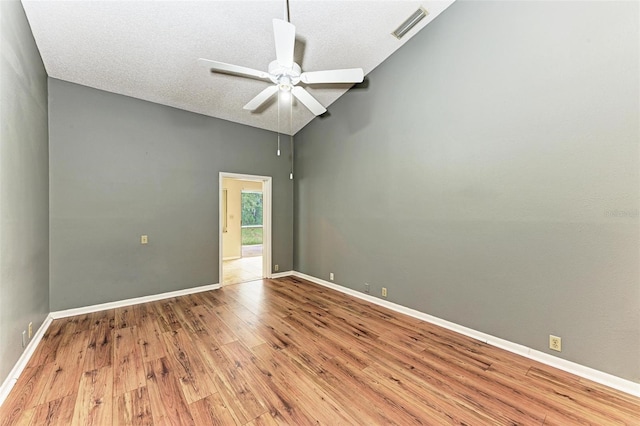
(285, 73)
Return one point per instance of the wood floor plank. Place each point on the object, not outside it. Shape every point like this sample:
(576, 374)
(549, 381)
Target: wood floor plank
(240, 329)
(128, 368)
(396, 410)
(458, 383)
(94, 403)
(166, 315)
(211, 410)
(568, 389)
(551, 404)
(188, 366)
(213, 325)
(312, 366)
(51, 340)
(264, 420)
(82, 322)
(56, 412)
(433, 401)
(310, 397)
(328, 337)
(148, 332)
(168, 405)
(235, 388)
(209, 298)
(24, 396)
(329, 343)
(278, 402)
(100, 346)
(287, 351)
(124, 317)
(133, 408)
(64, 373)
(189, 318)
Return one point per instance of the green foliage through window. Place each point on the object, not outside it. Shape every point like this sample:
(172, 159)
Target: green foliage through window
(251, 236)
(251, 208)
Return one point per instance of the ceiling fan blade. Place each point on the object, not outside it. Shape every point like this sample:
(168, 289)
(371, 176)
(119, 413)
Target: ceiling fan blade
(262, 97)
(221, 67)
(309, 101)
(285, 36)
(350, 75)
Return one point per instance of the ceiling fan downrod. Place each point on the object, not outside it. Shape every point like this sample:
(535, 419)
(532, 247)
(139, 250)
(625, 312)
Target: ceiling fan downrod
(287, 14)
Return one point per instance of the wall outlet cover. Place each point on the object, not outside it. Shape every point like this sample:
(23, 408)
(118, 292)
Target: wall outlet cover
(555, 343)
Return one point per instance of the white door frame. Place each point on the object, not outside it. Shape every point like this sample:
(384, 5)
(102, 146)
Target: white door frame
(266, 220)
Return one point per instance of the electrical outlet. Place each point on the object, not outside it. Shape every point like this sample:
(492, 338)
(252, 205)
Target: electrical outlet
(366, 288)
(384, 292)
(331, 276)
(555, 343)
(144, 239)
(276, 267)
(30, 330)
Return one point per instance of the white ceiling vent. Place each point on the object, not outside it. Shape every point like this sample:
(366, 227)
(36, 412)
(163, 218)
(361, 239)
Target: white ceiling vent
(410, 22)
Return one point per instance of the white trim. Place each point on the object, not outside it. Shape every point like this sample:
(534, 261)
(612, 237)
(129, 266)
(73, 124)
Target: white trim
(17, 369)
(267, 214)
(282, 274)
(133, 301)
(267, 203)
(597, 376)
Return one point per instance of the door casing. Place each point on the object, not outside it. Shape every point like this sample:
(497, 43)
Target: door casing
(266, 220)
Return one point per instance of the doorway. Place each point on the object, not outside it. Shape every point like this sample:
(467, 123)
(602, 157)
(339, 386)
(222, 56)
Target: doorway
(245, 228)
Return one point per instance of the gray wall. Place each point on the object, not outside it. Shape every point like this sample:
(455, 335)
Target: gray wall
(122, 167)
(489, 176)
(24, 185)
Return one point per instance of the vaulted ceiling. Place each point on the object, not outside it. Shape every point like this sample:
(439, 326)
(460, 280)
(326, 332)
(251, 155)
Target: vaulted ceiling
(149, 49)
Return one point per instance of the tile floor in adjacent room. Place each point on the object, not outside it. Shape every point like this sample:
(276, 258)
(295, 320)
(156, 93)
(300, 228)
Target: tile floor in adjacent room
(247, 268)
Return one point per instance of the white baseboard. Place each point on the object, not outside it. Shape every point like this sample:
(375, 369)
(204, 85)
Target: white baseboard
(129, 302)
(597, 376)
(282, 274)
(17, 369)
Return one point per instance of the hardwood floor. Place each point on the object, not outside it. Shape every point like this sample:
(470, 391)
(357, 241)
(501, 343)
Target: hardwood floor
(288, 351)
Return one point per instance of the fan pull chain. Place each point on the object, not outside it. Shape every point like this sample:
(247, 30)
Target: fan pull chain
(291, 174)
(291, 134)
(278, 151)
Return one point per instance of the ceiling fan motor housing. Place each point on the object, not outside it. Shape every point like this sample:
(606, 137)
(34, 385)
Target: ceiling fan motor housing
(284, 77)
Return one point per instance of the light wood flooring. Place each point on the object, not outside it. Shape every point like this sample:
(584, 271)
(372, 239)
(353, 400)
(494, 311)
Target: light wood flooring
(288, 351)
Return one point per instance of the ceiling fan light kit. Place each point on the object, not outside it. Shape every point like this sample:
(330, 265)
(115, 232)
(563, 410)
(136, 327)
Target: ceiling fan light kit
(411, 22)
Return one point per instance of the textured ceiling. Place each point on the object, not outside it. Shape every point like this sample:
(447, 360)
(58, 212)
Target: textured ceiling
(149, 49)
